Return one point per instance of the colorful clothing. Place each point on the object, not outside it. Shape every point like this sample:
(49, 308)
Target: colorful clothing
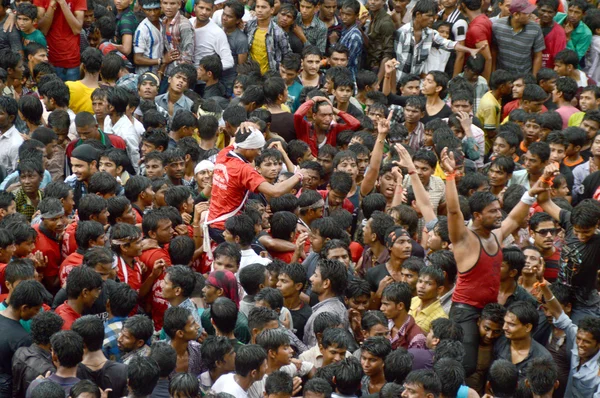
(112, 330)
(316, 32)
(179, 35)
(352, 38)
(276, 41)
(24, 204)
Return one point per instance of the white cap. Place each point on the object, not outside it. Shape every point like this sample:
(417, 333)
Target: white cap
(204, 165)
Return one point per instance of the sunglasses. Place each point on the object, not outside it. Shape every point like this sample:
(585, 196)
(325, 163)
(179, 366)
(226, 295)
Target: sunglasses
(546, 231)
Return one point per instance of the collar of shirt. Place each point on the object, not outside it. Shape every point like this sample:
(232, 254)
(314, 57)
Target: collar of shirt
(9, 133)
(509, 18)
(590, 365)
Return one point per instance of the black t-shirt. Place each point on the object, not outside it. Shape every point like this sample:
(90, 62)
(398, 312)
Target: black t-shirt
(112, 375)
(216, 90)
(375, 275)
(442, 114)
(299, 317)
(283, 124)
(579, 263)
(14, 336)
(295, 43)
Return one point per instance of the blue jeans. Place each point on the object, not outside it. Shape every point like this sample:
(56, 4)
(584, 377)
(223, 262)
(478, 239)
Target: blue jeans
(68, 74)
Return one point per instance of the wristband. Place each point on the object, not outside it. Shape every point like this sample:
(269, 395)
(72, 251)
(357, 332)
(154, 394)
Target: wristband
(451, 176)
(414, 172)
(528, 199)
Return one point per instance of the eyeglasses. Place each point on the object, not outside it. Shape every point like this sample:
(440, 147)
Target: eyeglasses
(546, 231)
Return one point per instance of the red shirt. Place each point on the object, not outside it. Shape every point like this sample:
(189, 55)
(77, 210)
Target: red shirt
(556, 41)
(306, 133)
(68, 314)
(49, 248)
(114, 140)
(515, 104)
(480, 29)
(131, 276)
(69, 244)
(72, 261)
(139, 217)
(232, 178)
(155, 299)
(286, 257)
(346, 204)
(63, 44)
(2, 279)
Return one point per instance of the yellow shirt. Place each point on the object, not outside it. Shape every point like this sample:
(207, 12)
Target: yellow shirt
(258, 51)
(439, 172)
(576, 119)
(81, 97)
(427, 315)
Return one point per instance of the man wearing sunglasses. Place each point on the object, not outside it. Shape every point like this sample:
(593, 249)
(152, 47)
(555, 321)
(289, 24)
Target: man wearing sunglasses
(543, 230)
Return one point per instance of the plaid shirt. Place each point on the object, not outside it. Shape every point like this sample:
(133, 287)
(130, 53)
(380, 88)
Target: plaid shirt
(129, 82)
(481, 87)
(278, 45)
(179, 34)
(411, 56)
(112, 330)
(24, 204)
(316, 32)
(352, 38)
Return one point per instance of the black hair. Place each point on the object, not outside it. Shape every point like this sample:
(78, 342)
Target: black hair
(542, 374)
(381, 224)
(30, 166)
(271, 296)
(480, 200)
(449, 349)
(586, 214)
(82, 387)
(44, 325)
(81, 278)
(58, 91)
(142, 374)
(575, 135)
(427, 379)
(228, 249)
(340, 182)
(91, 58)
(258, 317)
(252, 94)
(561, 292)
(335, 336)
(427, 157)
(183, 277)
(47, 388)
(165, 357)
(471, 181)
(348, 374)
(214, 349)
(357, 288)
(377, 346)
(337, 274)
(540, 149)
(451, 374)
(152, 218)
(279, 382)
(111, 67)
(365, 78)
(493, 312)
(504, 163)
(235, 115)
(67, 346)
(373, 202)
(447, 329)
(224, 314)
(185, 384)
(177, 196)
(86, 231)
(154, 123)
(283, 224)
(326, 320)
(398, 292)
(295, 272)
(503, 377)
(567, 86)
(272, 339)
(181, 250)
(103, 183)
(91, 329)
(251, 277)
(296, 150)
(248, 358)
(90, 205)
(140, 327)
(22, 231)
(208, 125)
(123, 298)
(500, 77)
(135, 185)
(318, 385)
(175, 319)
(525, 312)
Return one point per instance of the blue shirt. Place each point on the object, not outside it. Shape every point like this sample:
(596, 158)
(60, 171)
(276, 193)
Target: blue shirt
(14, 177)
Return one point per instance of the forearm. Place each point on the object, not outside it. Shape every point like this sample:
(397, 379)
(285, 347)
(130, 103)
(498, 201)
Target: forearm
(74, 23)
(552, 303)
(46, 21)
(147, 285)
(389, 84)
(458, 63)
(422, 197)
(141, 60)
(397, 199)
(374, 165)
(276, 245)
(537, 62)
(126, 46)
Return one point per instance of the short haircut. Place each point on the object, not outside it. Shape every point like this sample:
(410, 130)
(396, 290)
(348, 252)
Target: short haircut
(283, 224)
(165, 357)
(295, 272)
(47, 389)
(503, 377)
(348, 374)
(318, 385)
(68, 347)
(272, 339)
(140, 327)
(214, 349)
(398, 292)
(377, 346)
(224, 314)
(230, 250)
(447, 329)
(337, 274)
(248, 358)
(567, 86)
(86, 231)
(259, 317)
(525, 312)
(335, 336)
(251, 277)
(91, 329)
(183, 277)
(449, 349)
(357, 288)
(44, 325)
(326, 320)
(123, 298)
(426, 379)
(271, 296)
(515, 259)
(279, 382)
(81, 278)
(142, 376)
(493, 312)
(542, 374)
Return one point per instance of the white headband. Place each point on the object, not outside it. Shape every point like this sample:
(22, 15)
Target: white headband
(255, 140)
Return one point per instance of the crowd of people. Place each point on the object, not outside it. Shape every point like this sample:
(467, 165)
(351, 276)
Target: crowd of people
(314, 198)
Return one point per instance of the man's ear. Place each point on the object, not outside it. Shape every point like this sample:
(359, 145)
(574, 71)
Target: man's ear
(140, 343)
(187, 158)
(119, 170)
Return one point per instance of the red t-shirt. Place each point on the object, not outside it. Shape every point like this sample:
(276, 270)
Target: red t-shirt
(155, 299)
(49, 248)
(515, 104)
(63, 44)
(480, 29)
(72, 261)
(286, 257)
(131, 276)
(232, 177)
(68, 314)
(346, 204)
(69, 244)
(3, 289)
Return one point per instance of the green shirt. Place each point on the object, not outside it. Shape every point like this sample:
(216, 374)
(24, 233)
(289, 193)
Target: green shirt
(241, 331)
(581, 36)
(35, 36)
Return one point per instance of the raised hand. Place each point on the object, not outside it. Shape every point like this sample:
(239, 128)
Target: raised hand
(405, 159)
(383, 125)
(390, 65)
(448, 163)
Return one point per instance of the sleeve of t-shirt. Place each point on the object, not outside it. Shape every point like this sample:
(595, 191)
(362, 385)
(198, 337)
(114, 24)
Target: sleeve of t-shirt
(459, 30)
(79, 5)
(251, 179)
(565, 220)
(478, 33)
(539, 44)
(41, 3)
(126, 27)
(140, 43)
(242, 45)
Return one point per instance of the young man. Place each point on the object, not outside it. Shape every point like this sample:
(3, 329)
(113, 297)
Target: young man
(83, 289)
(28, 197)
(517, 345)
(373, 353)
(351, 35)
(311, 62)
(321, 130)
(329, 280)
(250, 367)
(88, 234)
(11, 137)
(566, 63)
(92, 207)
(536, 159)
(425, 306)
(122, 300)
(119, 124)
(374, 236)
(555, 38)
(589, 100)
(138, 190)
(263, 33)
(380, 35)
(210, 71)
(331, 348)
(291, 282)
(148, 44)
(81, 90)
(513, 262)
(289, 71)
(395, 305)
(579, 36)
(434, 89)
(563, 93)
(177, 287)
(67, 353)
(233, 12)
(181, 327)
(489, 111)
(314, 30)
(26, 301)
(219, 356)
(239, 229)
(136, 331)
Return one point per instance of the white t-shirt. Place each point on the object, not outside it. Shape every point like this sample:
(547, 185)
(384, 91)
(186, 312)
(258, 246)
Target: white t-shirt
(226, 383)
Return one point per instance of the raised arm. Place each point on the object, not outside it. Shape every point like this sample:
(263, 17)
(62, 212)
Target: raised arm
(74, 18)
(389, 79)
(456, 222)
(383, 127)
(552, 303)
(421, 195)
(543, 197)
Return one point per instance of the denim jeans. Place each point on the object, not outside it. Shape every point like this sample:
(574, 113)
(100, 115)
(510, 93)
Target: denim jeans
(68, 74)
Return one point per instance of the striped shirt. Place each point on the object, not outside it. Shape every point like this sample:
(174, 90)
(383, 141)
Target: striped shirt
(352, 38)
(516, 49)
(149, 42)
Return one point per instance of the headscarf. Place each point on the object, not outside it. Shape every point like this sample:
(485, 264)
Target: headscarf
(226, 281)
(255, 140)
(394, 234)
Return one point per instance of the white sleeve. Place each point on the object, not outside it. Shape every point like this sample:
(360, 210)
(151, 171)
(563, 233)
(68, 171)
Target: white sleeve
(224, 51)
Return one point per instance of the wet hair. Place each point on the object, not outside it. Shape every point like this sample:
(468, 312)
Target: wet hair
(251, 277)
(425, 378)
(214, 349)
(525, 312)
(271, 296)
(542, 374)
(103, 183)
(447, 329)
(283, 224)
(337, 274)
(348, 374)
(248, 358)
(224, 314)
(515, 259)
(493, 312)
(175, 319)
(142, 374)
(358, 288)
(398, 292)
(82, 387)
(165, 357)
(67, 346)
(259, 317)
(371, 203)
(372, 318)
(81, 278)
(295, 272)
(326, 320)
(318, 385)
(140, 326)
(567, 86)
(449, 349)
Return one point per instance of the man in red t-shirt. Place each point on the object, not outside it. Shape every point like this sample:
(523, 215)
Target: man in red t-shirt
(84, 286)
(89, 234)
(234, 177)
(479, 33)
(49, 239)
(91, 208)
(61, 22)
(7, 249)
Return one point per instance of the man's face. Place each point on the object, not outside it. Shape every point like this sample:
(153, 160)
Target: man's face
(38, 57)
(412, 114)
(228, 18)
(168, 289)
(414, 390)
(88, 18)
(429, 86)
(327, 9)
(533, 164)
(409, 277)
(25, 248)
(169, 7)
(307, 10)
(289, 75)
(591, 127)
(424, 171)
(203, 11)
(557, 152)
(501, 147)
(332, 354)
(371, 365)
(56, 225)
(178, 82)
(412, 87)
(347, 16)
(491, 216)
(375, 5)
(489, 331)
(588, 101)
(126, 342)
(517, 88)
(81, 169)
(153, 15)
(340, 254)
(317, 282)
(561, 68)
(335, 198)
(360, 303)
(100, 108)
(30, 181)
(425, 19)
(128, 216)
(226, 263)
(348, 166)
(176, 169)
(121, 5)
(311, 64)
(164, 231)
(532, 130)
(387, 185)
(514, 329)
(148, 90)
(270, 168)
(544, 234)
(285, 20)
(546, 15)
(87, 132)
(427, 288)
(110, 167)
(338, 59)
(154, 168)
(533, 106)
(323, 117)
(283, 355)
(389, 308)
(286, 286)
(190, 331)
(497, 176)
(263, 10)
(574, 15)
(584, 234)
(326, 161)
(462, 106)
(587, 346)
